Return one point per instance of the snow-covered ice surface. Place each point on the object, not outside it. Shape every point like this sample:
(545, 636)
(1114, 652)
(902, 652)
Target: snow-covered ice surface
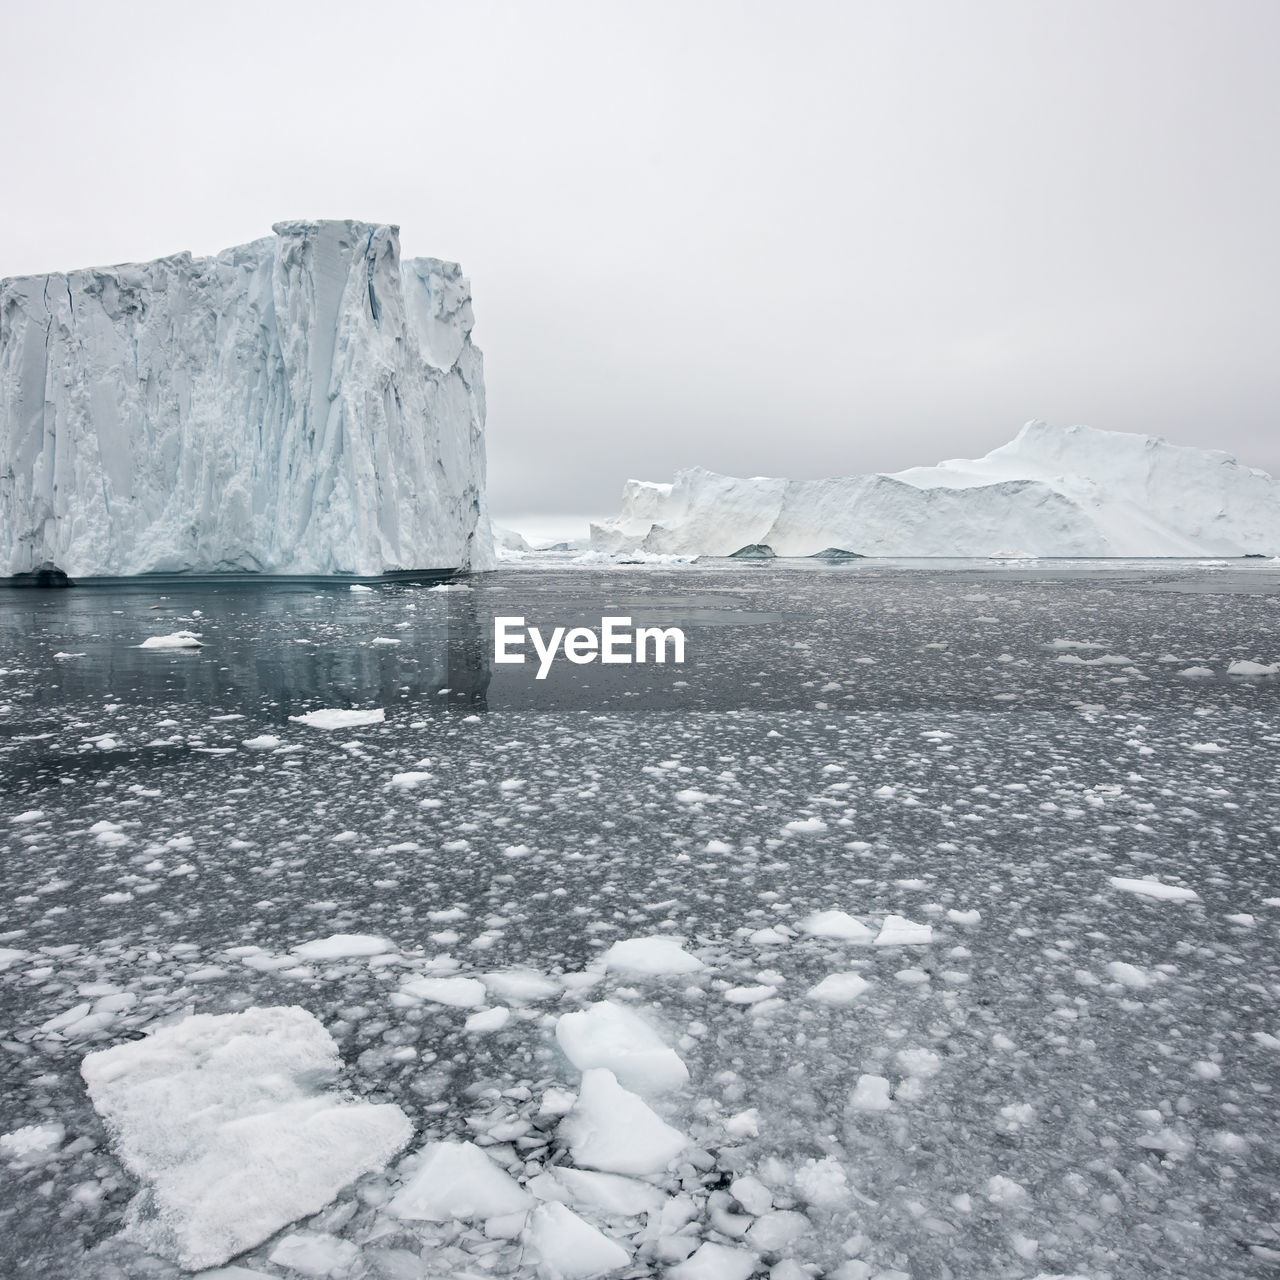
(1051, 491)
(232, 412)
(1067, 1075)
(224, 1121)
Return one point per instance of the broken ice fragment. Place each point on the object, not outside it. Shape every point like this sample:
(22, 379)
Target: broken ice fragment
(457, 1180)
(223, 1119)
(614, 1130)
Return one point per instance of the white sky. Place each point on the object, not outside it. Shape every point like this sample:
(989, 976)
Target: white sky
(794, 239)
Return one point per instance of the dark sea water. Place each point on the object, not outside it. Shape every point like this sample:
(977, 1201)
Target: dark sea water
(1084, 1080)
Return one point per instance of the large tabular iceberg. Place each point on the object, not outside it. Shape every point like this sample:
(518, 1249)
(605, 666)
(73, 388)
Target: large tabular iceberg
(1052, 491)
(307, 403)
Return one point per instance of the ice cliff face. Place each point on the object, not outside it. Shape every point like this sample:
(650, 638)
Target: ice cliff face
(307, 403)
(1052, 491)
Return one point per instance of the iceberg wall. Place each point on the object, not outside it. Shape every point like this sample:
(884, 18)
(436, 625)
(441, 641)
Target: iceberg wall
(1052, 491)
(305, 404)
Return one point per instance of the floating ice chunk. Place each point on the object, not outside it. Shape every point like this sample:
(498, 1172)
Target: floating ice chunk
(692, 796)
(488, 1020)
(607, 1193)
(32, 1143)
(408, 781)
(221, 1118)
(606, 1034)
(457, 1180)
(313, 1253)
(384, 640)
(654, 956)
(1004, 1191)
(614, 1130)
(964, 917)
(1168, 1141)
(790, 1269)
(746, 1124)
(769, 937)
(520, 986)
(1242, 918)
(835, 924)
(1196, 673)
(339, 718)
(838, 988)
(822, 1182)
(1246, 668)
(178, 640)
(1207, 748)
(871, 1093)
(28, 815)
(750, 995)
(263, 742)
(1154, 889)
(805, 826)
(10, 955)
(359, 587)
(1107, 660)
(752, 1195)
(566, 1248)
(67, 1018)
(775, 1230)
(459, 993)
(557, 1102)
(1128, 974)
(711, 1261)
(343, 945)
(920, 1063)
(898, 931)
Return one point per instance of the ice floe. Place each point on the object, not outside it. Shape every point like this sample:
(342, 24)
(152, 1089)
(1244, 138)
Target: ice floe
(227, 1122)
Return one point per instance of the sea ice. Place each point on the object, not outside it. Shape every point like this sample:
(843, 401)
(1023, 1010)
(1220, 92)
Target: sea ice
(839, 988)
(656, 956)
(713, 1261)
(898, 931)
(178, 640)
(1154, 889)
(835, 924)
(342, 946)
(607, 1034)
(607, 1193)
(459, 993)
(340, 718)
(615, 1131)
(871, 1093)
(566, 1248)
(224, 1120)
(314, 1253)
(456, 1180)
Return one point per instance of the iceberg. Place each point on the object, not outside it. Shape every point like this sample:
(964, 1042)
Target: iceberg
(308, 403)
(1052, 491)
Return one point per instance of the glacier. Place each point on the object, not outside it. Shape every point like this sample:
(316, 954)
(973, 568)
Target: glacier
(308, 403)
(1052, 491)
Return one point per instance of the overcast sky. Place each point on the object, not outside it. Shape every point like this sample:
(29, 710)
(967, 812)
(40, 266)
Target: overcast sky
(786, 239)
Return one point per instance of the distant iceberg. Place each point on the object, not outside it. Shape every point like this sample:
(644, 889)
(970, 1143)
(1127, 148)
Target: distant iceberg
(305, 404)
(1052, 491)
